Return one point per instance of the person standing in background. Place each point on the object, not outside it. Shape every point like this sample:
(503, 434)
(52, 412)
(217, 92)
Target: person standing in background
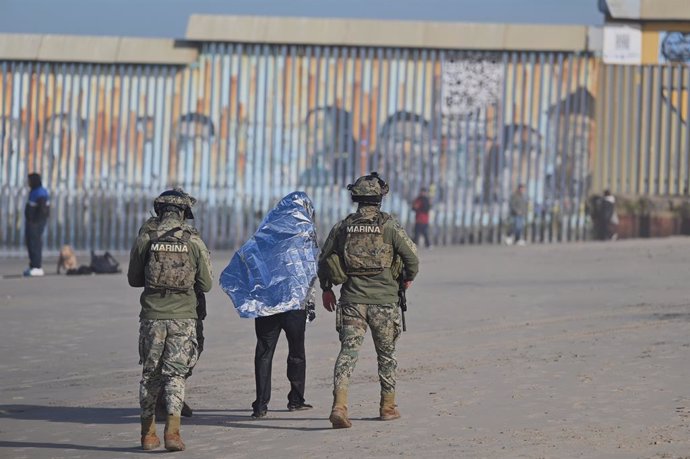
(518, 213)
(610, 217)
(36, 212)
(421, 207)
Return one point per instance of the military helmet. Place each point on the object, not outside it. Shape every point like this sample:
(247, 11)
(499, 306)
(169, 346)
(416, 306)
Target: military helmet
(175, 197)
(368, 188)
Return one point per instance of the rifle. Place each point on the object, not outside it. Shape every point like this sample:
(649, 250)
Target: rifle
(201, 313)
(402, 300)
(200, 304)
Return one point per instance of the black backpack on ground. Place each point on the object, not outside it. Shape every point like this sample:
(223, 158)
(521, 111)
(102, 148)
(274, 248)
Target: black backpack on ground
(104, 264)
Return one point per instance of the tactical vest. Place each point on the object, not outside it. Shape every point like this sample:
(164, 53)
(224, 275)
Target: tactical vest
(364, 252)
(169, 266)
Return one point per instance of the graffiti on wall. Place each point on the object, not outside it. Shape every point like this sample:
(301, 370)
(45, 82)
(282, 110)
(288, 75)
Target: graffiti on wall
(406, 153)
(572, 121)
(674, 47)
(679, 99)
(193, 135)
(249, 123)
(509, 159)
(329, 140)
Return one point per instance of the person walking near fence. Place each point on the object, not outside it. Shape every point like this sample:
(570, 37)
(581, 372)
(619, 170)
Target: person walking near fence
(518, 213)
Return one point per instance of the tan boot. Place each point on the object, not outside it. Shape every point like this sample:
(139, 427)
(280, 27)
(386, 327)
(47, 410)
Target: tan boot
(389, 410)
(149, 439)
(173, 441)
(339, 412)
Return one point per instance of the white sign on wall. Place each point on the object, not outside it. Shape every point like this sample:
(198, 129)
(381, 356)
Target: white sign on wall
(622, 44)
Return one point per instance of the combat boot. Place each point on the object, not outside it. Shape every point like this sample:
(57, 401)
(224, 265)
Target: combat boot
(338, 416)
(173, 441)
(388, 410)
(149, 439)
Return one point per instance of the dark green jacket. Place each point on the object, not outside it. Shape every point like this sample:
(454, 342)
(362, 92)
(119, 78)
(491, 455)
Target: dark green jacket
(380, 288)
(174, 305)
(518, 204)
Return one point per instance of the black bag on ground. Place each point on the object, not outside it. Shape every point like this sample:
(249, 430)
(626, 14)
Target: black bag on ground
(104, 264)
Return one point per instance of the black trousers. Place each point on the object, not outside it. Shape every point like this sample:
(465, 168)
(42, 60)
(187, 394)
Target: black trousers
(422, 229)
(33, 234)
(267, 333)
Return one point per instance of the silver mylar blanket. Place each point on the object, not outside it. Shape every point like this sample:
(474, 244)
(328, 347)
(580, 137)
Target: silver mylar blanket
(272, 272)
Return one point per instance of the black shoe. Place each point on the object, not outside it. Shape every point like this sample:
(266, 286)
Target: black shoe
(258, 414)
(186, 410)
(299, 407)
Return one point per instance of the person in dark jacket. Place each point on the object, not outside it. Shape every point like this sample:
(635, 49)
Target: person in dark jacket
(421, 207)
(36, 212)
(518, 214)
(609, 218)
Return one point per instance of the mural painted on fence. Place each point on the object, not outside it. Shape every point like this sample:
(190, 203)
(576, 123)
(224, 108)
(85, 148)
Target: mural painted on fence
(248, 123)
(674, 47)
(645, 141)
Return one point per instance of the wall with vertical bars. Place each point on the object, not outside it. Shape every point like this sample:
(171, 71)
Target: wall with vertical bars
(248, 123)
(644, 139)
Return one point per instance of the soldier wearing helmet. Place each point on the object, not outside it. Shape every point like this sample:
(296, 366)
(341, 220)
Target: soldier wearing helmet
(172, 263)
(366, 252)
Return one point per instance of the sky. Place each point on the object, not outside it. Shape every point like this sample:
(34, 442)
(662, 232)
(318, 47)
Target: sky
(168, 18)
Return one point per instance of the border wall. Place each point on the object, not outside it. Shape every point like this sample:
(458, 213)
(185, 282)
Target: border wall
(248, 109)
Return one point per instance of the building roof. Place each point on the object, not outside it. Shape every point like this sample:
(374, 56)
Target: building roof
(74, 48)
(647, 10)
(386, 33)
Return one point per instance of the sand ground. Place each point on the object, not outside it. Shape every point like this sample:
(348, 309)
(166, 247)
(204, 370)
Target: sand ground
(574, 350)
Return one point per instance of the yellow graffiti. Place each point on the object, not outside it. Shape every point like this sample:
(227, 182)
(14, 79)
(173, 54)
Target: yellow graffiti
(679, 101)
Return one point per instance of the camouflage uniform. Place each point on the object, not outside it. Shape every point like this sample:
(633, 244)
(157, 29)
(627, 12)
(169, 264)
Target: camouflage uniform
(171, 261)
(152, 225)
(168, 350)
(369, 299)
(366, 252)
(352, 320)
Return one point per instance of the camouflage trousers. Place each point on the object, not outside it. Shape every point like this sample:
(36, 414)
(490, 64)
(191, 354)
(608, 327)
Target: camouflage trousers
(168, 349)
(351, 323)
(200, 344)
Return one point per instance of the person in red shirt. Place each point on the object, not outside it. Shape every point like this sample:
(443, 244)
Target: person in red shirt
(421, 207)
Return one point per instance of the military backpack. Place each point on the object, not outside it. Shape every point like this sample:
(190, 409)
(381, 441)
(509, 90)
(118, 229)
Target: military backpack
(169, 266)
(365, 253)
